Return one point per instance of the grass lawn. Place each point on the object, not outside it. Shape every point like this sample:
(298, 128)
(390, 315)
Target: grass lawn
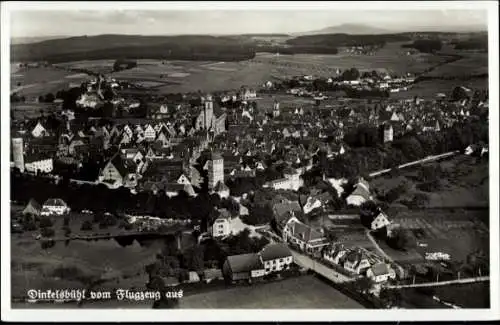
(300, 292)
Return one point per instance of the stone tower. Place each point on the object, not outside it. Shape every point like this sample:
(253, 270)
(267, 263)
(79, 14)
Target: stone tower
(18, 153)
(215, 170)
(388, 133)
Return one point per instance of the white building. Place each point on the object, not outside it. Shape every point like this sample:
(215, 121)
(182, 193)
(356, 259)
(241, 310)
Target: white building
(149, 133)
(360, 195)
(221, 227)
(380, 272)
(36, 165)
(380, 221)
(55, 206)
(39, 131)
(276, 257)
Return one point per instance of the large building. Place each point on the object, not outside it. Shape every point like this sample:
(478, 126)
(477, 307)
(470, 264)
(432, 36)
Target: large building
(18, 153)
(215, 170)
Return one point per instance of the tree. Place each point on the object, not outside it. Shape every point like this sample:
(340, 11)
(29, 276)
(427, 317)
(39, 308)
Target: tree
(45, 222)
(401, 239)
(368, 212)
(86, 226)
(49, 98)
(390, 297)
(363, 284)
(351, 74)
(47, 232)
(258, 215)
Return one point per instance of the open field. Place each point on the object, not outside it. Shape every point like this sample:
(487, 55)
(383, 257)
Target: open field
(33, 82)
(470, 295)
(21, 111)
(430, 88)
(472, 64)
(189, 76)
(391, 58)
(301, 292)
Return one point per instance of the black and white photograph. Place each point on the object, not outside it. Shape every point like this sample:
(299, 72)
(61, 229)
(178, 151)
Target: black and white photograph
(250, 160)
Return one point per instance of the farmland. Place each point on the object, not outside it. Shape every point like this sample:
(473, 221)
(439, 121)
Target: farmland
(33, 82)
(472, 64)
(391, 58)
(454, 219)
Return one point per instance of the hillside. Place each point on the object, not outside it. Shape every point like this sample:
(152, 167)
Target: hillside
(351, 29)
(337, 40)
(132, 46)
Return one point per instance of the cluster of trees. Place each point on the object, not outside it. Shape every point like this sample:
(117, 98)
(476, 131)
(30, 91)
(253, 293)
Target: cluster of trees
(425, 45)
(342, 40)
(100, 199)
(16, 98)
(298, 49)
(122, 64)
(476, 43)
(367, 155)
(48, 98)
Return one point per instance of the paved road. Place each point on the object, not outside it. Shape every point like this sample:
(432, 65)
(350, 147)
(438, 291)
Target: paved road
(416, 162)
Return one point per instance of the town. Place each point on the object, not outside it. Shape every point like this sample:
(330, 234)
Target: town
(346, 177)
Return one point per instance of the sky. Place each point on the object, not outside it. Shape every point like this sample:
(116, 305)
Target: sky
(167, 22)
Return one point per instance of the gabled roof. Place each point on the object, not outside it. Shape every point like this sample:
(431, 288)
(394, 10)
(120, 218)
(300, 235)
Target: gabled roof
(380, 269)
(244, 263)
(305, 233)
(32, 207)
(275, 251)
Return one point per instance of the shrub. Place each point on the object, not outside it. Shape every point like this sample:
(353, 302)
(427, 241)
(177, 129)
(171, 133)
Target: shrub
(86, 226)
(47, 232)
(45, 222)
